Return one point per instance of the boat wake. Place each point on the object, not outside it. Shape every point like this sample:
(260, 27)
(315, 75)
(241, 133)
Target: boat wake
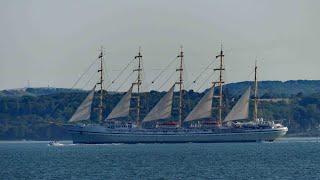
(56, 143)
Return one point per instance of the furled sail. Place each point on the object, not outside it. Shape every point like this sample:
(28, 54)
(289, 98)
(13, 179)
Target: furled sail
(162, 110)
(203, 109)
(84, 110)
(122, 109)
(240, 111)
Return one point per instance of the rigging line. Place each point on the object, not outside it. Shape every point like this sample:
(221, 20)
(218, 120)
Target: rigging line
(72, 87)
(126, 80)
(77, 81)
(200, 74)
(158, 76)
(90, 79)
(147, 85)
(250, 73)
(189, 85)
(120, 73)
(166, 80)
(163, 70)
(105, 72)
(206, 80)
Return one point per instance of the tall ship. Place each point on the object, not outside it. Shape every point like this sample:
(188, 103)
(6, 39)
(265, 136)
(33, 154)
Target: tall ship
(159, 126)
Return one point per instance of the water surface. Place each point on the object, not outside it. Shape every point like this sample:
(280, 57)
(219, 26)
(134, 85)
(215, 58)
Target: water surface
(288, 158)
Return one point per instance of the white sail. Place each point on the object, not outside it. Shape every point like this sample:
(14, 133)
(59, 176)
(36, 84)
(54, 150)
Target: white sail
(162, 110)
(122, 109)
(240, 111)
(203, 109)
(84, 110)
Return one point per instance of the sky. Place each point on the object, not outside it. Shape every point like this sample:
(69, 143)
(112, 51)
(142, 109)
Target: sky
(51, 43)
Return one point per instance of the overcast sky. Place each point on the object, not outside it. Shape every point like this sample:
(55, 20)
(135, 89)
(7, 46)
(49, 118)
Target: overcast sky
(53, 42)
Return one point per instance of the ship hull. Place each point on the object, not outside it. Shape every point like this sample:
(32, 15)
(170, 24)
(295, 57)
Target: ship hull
(100, 135)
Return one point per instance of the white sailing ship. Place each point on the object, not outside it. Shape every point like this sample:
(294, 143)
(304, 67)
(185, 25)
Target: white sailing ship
(198, 126)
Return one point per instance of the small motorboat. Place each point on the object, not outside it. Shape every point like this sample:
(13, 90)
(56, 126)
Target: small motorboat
(55, 143)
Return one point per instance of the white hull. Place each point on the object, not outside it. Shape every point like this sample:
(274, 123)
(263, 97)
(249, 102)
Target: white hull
(100, 135)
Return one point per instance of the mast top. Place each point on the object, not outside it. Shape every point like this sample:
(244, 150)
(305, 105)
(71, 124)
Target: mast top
(181, 52)
(139, 53)
(101, 52)
(221, 52)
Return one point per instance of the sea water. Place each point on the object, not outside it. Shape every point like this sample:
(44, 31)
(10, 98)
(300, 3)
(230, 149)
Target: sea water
(288, 158)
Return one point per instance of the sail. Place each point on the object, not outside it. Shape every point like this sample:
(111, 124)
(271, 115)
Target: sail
(122, 109)
(162, 110)
(84, 110)
(203, 108)
(241, 109)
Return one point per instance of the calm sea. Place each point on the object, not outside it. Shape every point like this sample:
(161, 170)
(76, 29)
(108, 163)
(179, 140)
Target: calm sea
(289, 158)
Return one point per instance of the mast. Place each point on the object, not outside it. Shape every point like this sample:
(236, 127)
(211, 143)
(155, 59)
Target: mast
(101, 85)
(220, 83)
(255, 92)
(138, 83)
(180, 82)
